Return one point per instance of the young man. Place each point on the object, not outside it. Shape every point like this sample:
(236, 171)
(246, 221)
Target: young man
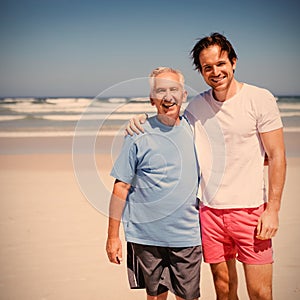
(235, 124)
(157, 182)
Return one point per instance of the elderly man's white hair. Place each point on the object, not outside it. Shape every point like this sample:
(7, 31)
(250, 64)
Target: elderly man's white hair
(160, 70)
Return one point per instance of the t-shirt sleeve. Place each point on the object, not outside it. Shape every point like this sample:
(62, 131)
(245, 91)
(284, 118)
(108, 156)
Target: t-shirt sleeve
(124, 167)
(268, 113)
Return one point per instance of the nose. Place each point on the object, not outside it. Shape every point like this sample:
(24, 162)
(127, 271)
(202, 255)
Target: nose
(215, 70)
(168, 96)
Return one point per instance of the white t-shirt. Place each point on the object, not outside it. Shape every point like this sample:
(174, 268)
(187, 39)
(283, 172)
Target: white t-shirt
(229, 148)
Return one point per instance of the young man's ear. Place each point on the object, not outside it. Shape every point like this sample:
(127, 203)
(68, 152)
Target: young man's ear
(234, 61)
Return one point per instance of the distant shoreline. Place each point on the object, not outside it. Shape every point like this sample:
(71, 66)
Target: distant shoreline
(107, 96)
(55, 143)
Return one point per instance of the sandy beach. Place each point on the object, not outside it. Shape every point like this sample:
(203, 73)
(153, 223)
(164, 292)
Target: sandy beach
(53, 240)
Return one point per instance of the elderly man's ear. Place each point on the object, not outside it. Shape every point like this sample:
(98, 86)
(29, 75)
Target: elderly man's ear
(185, 95)
(151, 100)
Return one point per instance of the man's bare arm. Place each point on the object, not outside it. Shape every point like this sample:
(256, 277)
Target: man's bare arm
(274, 146)
(116, 207)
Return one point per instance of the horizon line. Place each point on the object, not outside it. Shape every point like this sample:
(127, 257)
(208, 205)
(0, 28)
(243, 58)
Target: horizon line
(114, 96)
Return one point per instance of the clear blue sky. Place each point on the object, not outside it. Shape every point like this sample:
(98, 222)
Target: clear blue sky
(80, 48)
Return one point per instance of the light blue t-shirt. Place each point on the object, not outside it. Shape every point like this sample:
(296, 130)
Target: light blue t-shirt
(161, 166)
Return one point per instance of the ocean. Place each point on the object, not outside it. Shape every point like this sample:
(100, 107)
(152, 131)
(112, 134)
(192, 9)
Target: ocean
(46, 117)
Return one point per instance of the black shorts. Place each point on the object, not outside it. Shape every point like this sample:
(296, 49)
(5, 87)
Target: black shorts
(159, 269)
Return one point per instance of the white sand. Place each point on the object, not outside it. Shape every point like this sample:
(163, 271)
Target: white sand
(53, 241)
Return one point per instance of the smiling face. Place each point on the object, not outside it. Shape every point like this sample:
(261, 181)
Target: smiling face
(167, 95)
(217, 71)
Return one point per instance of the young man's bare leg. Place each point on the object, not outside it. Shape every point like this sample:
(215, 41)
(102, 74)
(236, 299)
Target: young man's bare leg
(179, 298)
(225, 280)
(162, 296)
(259, 281)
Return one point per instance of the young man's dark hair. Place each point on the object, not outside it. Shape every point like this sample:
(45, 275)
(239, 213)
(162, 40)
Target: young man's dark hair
(214, 39)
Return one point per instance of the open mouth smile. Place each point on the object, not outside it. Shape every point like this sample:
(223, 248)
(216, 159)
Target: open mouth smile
(168, 105)
(217, 80)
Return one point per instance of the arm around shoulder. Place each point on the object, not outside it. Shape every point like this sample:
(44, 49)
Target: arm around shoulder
(135, 124)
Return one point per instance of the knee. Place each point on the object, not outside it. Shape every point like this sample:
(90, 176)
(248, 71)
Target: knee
(221, 283)
(222, 287)
(261, 293)
(225, 286)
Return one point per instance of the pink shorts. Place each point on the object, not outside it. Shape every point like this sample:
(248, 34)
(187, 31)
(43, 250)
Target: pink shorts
(230, 233)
